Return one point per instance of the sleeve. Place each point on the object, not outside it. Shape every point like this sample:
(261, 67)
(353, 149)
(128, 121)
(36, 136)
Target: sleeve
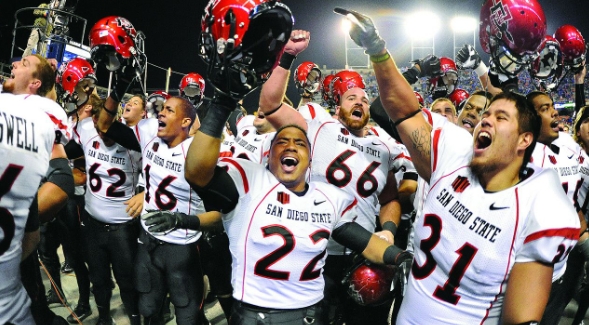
(546, 238)
(451, 147)
(579, 96)
(379, 115)
(33, 219)
(124, 136)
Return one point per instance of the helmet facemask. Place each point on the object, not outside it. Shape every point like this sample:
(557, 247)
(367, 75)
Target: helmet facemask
(238, 69)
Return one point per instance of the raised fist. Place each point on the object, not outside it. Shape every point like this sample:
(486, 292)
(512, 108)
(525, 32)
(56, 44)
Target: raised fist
(467, 57)
(298, 42)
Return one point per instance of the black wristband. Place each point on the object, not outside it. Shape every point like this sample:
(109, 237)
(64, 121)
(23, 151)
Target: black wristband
(390, 226)
(286, 60)
(219, 111)
(188, 222)
(393, 255)
(401, 120)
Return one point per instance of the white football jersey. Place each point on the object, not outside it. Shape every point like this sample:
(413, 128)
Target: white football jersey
(55, 113)
(112, 175)
(467, 239)
(165, 185)
(314, 111)
(248, 143)
(26, 141)
(278, 239)
(358, 165)
(563, 157)
(583, 195)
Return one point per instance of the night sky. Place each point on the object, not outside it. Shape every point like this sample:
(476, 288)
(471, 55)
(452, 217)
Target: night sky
(173, 30)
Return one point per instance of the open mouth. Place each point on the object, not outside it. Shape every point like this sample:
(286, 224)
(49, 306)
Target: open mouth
(468, 123)
(554, 125)
(161, 125)
(289, 163)
(357, 113)
(483, 140)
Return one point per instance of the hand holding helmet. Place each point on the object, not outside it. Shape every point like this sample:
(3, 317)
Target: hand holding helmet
(363, 32)
(467, 57)
(429, 66)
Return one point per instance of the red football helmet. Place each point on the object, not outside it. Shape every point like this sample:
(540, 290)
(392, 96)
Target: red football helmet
(192, 86)
(75, 82)
(326, 89)
(446, 83)
(458, 97)
(242, 41)
(572, 45)
(113, 39)
(155, 102)
(344, 80)
(511, 31)
(546, 71)
(370, 284)
(419, 99)
(307, 77)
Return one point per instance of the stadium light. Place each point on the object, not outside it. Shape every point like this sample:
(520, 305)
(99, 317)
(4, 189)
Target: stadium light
(422, 25)
(462, 24)
(346, 25)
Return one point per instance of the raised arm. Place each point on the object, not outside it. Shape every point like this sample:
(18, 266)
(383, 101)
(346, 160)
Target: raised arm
(395, 92)
(273, 91)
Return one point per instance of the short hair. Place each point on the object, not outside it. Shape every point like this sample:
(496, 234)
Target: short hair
(482, 93)
(534, 94)
(444, 99)
(96, 102)
(142, 98)
(188, 108)
(528, 120)
(46, 74)
(290, 126)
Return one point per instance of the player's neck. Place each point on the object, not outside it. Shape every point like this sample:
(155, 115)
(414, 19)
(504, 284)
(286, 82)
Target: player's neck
(173, 142)
(499, 180)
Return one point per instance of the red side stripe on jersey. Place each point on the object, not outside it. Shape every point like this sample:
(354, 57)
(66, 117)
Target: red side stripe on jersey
(435, 151)
(58, 123)
(352, 205)
(246, 186)
(402, 156)
(428, 116)
(373, 130)
(568, 233)
(312, 110)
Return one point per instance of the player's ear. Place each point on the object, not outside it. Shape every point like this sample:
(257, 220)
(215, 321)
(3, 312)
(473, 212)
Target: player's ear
(525, 140)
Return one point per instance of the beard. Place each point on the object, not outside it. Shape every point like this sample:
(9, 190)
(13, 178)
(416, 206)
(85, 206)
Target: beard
(354, 125)
(481, 168)
(7, 87)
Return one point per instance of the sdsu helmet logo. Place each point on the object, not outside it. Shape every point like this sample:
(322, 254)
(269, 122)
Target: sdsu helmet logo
(500, 15)
(125, 24)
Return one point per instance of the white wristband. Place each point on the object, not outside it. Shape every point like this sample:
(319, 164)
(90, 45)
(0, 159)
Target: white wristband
(481, 69)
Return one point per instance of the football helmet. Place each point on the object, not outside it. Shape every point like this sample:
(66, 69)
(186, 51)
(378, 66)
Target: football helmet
(307, 78)
(572, 45)
(458, 97)
(242, 41)
(419, 99)
(192, 86)
(344, 80)
(326, 90)
(155, 102)
(113, 39)
(546, 71)
(511, 31)
(75, 82)
(370, 284)
(445, 84)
